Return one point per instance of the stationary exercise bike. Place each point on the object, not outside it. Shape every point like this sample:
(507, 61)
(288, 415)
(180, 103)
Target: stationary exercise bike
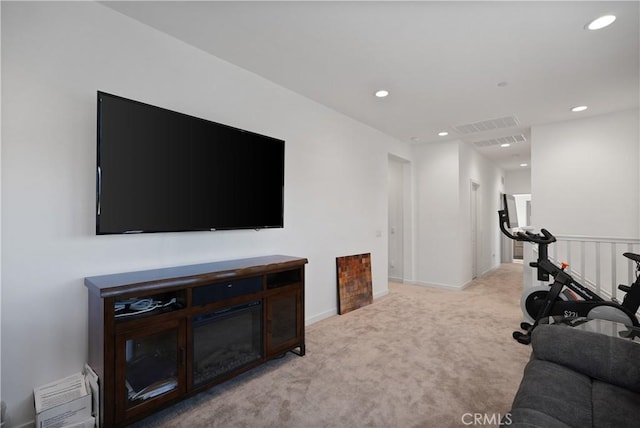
(566, 297)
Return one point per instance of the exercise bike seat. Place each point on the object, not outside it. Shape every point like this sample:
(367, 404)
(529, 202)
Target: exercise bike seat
(632, 256)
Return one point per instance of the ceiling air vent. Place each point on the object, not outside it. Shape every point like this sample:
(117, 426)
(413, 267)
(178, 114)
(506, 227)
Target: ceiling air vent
(511, 139)
(487, 125)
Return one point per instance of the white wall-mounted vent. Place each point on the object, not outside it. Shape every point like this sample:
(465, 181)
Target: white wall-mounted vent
(511, 139)
(487, 125)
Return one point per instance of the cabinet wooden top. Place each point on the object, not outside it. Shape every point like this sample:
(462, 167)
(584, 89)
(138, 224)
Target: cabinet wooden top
(182, 276)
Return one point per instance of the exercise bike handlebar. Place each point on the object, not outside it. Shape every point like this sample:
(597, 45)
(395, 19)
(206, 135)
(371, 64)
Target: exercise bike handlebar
(536, 238)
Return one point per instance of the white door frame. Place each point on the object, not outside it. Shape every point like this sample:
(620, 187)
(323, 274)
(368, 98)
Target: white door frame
(475, 229)
(406, 265)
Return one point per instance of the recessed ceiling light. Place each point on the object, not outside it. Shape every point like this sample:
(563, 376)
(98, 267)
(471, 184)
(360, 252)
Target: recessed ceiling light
(382, 93)
(599, 23)
(524, 164)
(415, 139)
(579, 108)
(443, 133)
(505, 145)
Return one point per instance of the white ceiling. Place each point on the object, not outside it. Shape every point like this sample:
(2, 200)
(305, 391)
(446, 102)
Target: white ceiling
(444, 63)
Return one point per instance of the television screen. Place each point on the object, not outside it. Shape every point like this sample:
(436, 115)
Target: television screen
(511, 212)
(163, 171)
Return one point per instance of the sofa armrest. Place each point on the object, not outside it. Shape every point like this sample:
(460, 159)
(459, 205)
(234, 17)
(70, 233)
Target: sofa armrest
(609, 359)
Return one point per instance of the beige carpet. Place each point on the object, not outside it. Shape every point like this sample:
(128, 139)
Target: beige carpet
(418, 357)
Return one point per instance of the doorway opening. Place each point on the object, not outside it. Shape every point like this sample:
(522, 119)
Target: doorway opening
(475, 230)
(400, 240)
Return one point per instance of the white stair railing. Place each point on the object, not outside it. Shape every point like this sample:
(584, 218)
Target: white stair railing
(595, 262)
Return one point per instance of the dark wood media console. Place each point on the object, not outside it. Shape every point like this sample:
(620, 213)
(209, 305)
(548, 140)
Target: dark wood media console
(159, 336)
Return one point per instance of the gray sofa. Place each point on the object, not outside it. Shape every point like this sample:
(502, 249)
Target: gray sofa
(578, 379)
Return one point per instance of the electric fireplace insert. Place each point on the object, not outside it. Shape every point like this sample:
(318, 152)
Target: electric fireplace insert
(226, 340)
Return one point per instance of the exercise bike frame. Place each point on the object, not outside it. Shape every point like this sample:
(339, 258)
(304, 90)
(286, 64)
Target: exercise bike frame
(592, 305)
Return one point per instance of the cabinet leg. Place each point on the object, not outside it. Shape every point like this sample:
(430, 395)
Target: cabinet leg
(300, 352)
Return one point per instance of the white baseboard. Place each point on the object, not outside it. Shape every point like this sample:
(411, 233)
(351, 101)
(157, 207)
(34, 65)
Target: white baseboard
(380, 294)
(319, 317)
(443, 286)
(331, 312)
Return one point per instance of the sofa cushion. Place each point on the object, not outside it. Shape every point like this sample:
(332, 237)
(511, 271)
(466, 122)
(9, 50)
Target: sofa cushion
(609, 359)
(614, 407)
(530, 418)
(551, 392)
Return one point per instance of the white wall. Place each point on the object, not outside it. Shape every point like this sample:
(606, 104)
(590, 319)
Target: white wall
(55, 56)
(477, 169)
(517, 181)
(444, 172)
(437, 215)
(585, 178)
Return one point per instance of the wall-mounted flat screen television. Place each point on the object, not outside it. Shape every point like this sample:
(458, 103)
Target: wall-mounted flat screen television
(163, 171)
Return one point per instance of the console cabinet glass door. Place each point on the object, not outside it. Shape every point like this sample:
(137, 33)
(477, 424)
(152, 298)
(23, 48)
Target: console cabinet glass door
(284, 322)
(150, 367)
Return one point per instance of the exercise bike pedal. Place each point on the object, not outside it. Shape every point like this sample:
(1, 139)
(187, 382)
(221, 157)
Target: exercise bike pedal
(521, 337)
(525, 326)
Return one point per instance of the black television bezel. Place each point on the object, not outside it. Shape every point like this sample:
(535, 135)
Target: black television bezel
(178, 230)
(508, 217)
